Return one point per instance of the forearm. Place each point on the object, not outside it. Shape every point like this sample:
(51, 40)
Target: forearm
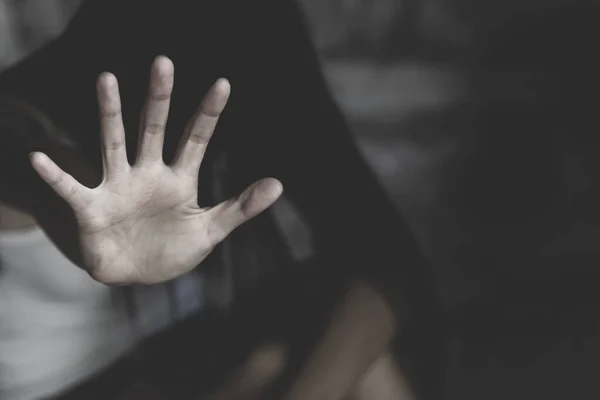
(360, 330)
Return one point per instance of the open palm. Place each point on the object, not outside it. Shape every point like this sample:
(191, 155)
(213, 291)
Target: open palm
(142, 224)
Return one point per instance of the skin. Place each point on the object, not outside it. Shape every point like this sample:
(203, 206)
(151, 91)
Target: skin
(143, 224)
(382, 381)
(258, 120)
(145, 203)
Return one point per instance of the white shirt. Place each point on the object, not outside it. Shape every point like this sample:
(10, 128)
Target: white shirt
(58, 326)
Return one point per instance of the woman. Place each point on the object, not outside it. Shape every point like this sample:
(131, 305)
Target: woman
(276, 85)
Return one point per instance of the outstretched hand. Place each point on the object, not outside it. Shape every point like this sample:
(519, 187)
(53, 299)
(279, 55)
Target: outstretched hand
(142, 224)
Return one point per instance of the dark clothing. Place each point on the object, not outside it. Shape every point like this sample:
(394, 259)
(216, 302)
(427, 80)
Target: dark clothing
(281, 121)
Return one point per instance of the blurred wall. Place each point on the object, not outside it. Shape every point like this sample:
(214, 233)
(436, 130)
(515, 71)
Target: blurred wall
(348, 28)
(27, 24)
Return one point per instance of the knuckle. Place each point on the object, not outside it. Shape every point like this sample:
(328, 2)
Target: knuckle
(72, 191)
(203, 129)
(200, 137)
(113, 145)
(154, 129)
(58, 180)
(110, 113)
(160, 96)
(209, 110)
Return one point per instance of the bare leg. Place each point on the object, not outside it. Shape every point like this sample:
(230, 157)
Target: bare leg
(384, 381)
(250, 380)
(361, 327)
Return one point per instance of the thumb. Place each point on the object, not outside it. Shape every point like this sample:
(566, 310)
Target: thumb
(231, 213)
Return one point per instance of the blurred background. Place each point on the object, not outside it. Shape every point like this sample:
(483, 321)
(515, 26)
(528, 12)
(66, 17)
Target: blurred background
(478, 118)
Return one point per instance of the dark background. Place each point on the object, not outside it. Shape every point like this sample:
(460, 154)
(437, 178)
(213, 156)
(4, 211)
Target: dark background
(479, 117)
